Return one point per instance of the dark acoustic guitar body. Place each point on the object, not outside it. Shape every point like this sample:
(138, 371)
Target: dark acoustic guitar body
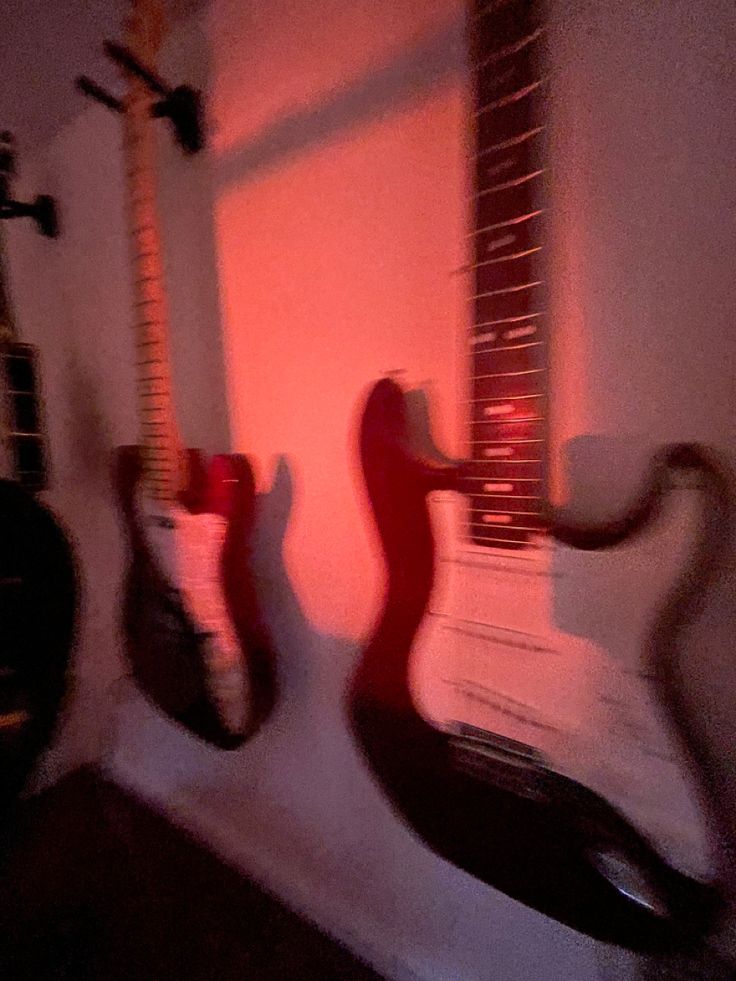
(528, 831)
(163, 642)
(38, 604)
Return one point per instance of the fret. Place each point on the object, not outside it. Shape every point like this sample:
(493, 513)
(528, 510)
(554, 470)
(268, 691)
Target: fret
(507, 50)
(509, 239)
(516, 527)
(511, 257)
(508, 320)
(507, 398)
(508, 289)
(476, 341)
(508, 374)
(504, 442)
(524, 302)
(508, 543)
(516, 220)
(505, 169)
(513, 542)
(510, 183)
(503, 79)
(505, 207)
(509, 515)
(504, 100)
(506, 497)
(499, 455)
(508, 120)
(510, 480)
(507, 414)
(508, 143)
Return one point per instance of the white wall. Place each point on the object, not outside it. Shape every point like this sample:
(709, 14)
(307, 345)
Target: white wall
(316, 244)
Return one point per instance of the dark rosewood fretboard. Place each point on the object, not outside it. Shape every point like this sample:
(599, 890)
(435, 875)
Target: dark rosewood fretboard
(20, 415)
(507, 343)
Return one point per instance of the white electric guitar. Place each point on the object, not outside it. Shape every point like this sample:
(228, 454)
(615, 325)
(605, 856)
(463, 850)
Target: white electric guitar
(520, 638)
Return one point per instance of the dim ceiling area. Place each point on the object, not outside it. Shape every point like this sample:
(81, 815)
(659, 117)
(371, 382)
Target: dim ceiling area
(44, 45)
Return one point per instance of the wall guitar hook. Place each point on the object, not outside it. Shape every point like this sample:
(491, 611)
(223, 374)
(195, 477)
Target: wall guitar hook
(182, 105)
(42, 210)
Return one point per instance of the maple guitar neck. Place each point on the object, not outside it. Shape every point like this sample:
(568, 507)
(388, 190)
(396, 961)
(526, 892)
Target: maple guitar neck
(508, 353)
(161, 456)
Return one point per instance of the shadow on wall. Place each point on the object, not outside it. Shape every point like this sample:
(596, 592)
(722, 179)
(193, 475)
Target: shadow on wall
(413, 76)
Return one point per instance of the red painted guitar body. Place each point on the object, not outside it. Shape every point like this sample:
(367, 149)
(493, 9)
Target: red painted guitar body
(166, 642)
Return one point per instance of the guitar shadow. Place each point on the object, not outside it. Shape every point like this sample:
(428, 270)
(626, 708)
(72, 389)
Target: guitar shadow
(296, 643)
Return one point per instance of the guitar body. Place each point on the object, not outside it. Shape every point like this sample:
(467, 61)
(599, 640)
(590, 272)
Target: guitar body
(38, 604)
(494, 810)
(192, 635)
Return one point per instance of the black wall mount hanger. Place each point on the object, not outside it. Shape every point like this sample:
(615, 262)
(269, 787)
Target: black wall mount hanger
(182, 105)
(42, 210)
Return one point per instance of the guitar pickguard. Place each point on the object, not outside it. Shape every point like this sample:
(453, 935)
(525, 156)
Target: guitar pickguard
(187, 548)
(491, 653)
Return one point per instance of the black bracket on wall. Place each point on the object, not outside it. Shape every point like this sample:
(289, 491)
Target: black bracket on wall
(182, 105)
(42, 210)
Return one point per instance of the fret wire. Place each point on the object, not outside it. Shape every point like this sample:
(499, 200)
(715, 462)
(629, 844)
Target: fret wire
(509, 541)
(503, 258)
(516, 497)
(507, 289)
(506, 100)
(502, 442)
(512, 526)
(516, 480)
(507, 320)
(505, 185)
(507, 347)
(498, 511)
(493, 421)
(516, 220)
(508, 374)
(507, 398)
(500, 53)
(508, 143)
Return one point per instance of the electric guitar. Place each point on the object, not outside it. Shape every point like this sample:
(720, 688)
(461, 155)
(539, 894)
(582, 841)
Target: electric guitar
(191, 636)
(38, 581)
(535, 758)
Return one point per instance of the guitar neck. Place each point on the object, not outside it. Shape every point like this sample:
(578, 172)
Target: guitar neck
(159, 438)
(508, 353)
(24, 444)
